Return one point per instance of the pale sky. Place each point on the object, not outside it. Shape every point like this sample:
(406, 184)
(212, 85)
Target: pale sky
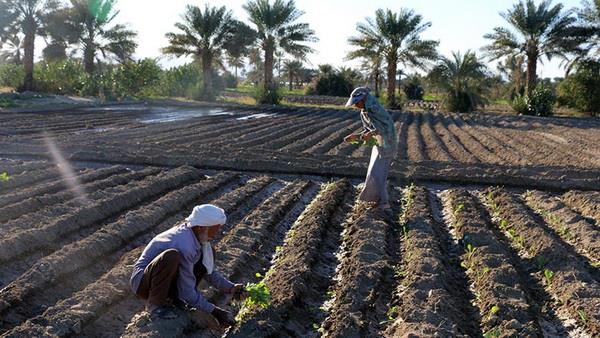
(457, 25)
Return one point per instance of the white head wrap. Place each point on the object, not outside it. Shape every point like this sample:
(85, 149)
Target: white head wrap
(206, 215)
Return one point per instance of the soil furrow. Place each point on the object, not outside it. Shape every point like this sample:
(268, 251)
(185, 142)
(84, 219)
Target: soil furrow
(54, 187)
(501, 300)
(276, 132)
(454, 146)
(362, 266)
(491, 142)
(471, 143)
(317, 137)
(422, 306)
(563, 274)
(96, 180)
(30, 178)
(104, 313)
(416, 146)
(571, 227)
(329, 143)
(104, 242)
(586, 203)
(300, 136)
(25, 241)
(402, 129)
(238, 247)
(435, 148)
(291, 280)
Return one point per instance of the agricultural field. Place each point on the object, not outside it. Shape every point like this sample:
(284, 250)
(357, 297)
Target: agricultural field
(495, 229)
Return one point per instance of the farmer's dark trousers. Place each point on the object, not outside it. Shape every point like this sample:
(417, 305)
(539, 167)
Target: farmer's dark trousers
(159, 283)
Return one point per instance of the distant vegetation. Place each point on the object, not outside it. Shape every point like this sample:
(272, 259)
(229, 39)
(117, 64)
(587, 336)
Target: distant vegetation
(89, 53)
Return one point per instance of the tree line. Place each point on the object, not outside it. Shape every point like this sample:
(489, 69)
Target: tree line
(388, 45)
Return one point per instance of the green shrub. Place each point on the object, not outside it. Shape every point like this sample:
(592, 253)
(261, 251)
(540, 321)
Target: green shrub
(6, 102)
(413, 89)
(183, 81)
(540, 103)
(266, 96)
(11, 75)
(463, 102)
(582, 89)
(520, 104)
(61, 77)
(230, 80)
(135, 79)
(332, 84)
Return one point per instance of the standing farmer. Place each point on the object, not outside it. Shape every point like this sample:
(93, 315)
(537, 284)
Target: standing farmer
(377, 125)
(174, 261)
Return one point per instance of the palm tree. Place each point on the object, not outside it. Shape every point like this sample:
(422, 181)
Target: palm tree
(11, 50)
(277, 29)
(589, 16)
(204, 35)
(87, 26)
(537, 31)
(372, 59)
(397, 36)
(513, 69)
(293, 68)
(28, 17)
(463, 78)
(237, 47)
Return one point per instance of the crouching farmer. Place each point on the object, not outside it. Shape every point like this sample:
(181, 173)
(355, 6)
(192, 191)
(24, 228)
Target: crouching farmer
(171, 265)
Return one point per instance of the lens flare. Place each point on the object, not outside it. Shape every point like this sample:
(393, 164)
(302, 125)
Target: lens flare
(65, 169)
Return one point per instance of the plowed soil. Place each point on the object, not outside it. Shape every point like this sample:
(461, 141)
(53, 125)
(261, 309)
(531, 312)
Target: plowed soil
(493, 229)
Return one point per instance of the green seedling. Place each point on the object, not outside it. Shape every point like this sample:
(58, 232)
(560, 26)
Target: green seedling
(470, 250)
(482, 273)
(540, 261)
(458, 209)
(391, 315)
(494, 309)
(369, 143)
(4, 177)
(495, 333)
(259, 296)
(503, 224)
(549, 275)
(583, 316)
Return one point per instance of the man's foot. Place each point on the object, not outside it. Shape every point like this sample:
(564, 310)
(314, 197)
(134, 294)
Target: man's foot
(162, 312)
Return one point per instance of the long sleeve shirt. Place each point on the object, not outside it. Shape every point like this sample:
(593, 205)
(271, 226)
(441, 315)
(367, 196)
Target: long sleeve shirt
(375, 118)
(182, 239)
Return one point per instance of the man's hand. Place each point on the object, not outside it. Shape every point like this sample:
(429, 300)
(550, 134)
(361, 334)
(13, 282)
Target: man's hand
(223, 316)
(238, 291)
(352, 138)
(368, 135)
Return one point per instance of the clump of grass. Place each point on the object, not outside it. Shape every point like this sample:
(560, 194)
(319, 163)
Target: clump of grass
(259, 296)
(548, 275)
(7, 103)
(4, 177)
(407, 201)
(495, 333)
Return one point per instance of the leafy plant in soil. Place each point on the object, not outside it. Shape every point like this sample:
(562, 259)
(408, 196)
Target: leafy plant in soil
(4, 177)
(259, 296)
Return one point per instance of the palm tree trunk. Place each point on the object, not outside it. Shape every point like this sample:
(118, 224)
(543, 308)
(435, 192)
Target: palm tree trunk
(291, 80)
(28, 45)
(268, 74)
(207, 89)
(391, 73)
(531, 72)
(88, 58)
(377, 75)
